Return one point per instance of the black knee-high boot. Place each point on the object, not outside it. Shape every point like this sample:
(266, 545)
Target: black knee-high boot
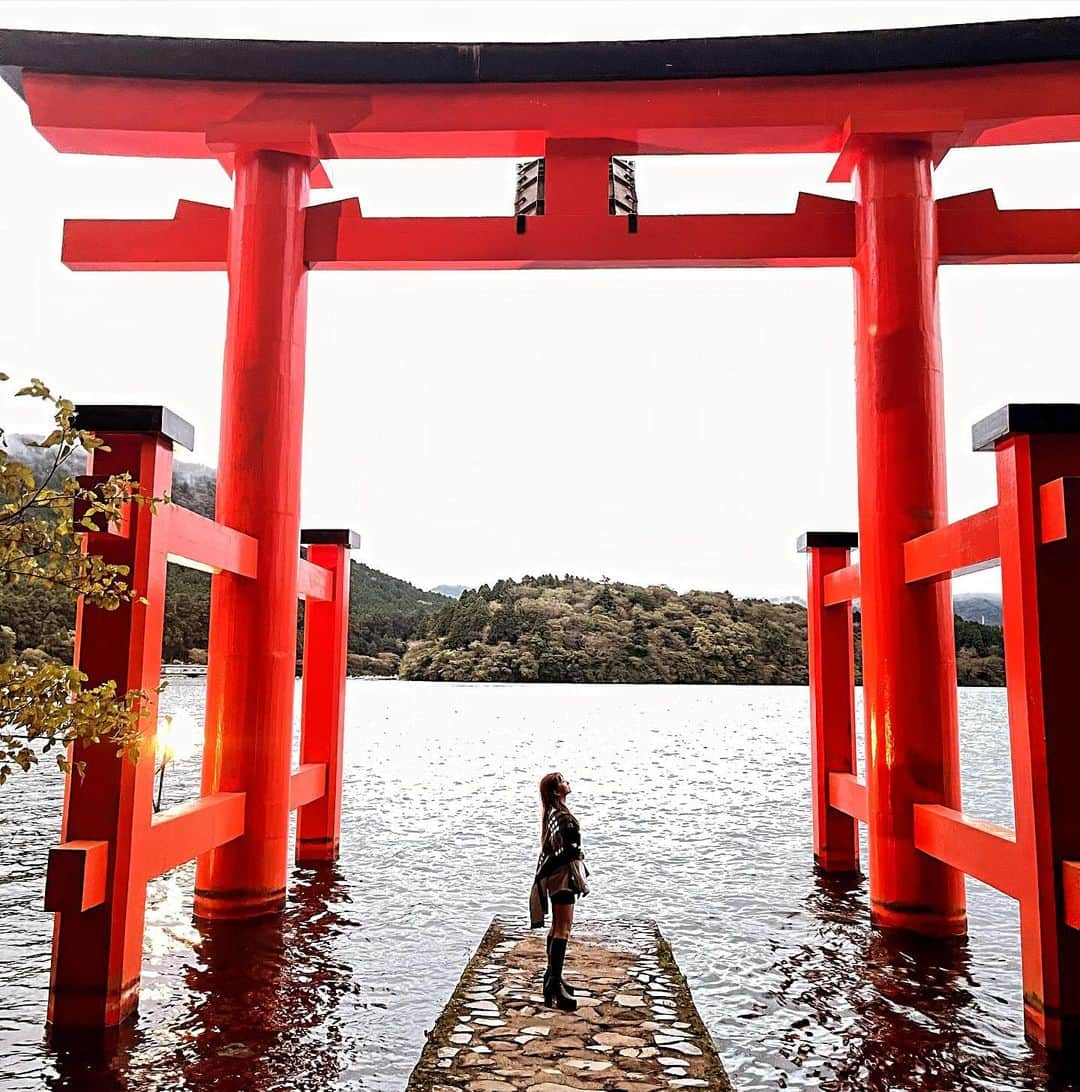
(554, 994)
(568, 988)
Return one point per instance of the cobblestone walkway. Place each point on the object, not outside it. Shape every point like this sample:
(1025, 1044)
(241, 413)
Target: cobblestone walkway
(636, 1028)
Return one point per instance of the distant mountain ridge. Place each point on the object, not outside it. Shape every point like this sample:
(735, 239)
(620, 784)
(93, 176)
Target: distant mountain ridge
(982, 607)
(451, 591)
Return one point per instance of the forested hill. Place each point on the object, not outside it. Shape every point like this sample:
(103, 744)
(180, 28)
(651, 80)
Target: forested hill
(384, 612)
(547, 629)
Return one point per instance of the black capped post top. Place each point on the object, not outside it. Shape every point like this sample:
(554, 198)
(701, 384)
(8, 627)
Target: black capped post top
(833, 53)
(317, 536)
(155, 419)
(1026, 419)
(836, 540)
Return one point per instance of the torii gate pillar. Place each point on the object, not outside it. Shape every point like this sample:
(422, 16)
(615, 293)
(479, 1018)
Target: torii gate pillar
(249, 700)
(909, 682)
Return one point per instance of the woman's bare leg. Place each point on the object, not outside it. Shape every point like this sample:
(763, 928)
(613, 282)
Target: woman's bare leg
(562, 919)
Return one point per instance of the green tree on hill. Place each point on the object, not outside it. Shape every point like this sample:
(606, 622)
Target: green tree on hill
(546, 629)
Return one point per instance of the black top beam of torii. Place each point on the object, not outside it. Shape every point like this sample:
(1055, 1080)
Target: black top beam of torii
(135, 56)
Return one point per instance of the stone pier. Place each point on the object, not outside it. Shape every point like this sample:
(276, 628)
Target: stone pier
(636, 1028)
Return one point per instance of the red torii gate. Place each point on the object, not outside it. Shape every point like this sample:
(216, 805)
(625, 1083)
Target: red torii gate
(889, 105)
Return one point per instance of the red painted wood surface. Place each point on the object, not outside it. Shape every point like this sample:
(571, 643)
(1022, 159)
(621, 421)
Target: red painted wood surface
(187, 831)
(314, 582)
(97, 952)
(196, 239)
(1059, 508)
(77, 876)
(1040, 592)
(976, 107)
(1034, 528)
(322, 737)
(909, 679)
(848, 794)
(306, 784)
(1070, 880)
(253, 623)
(841, 586)
(974, 231)
(975, 847)
(820, 232)
(200, 543)
(831, 660)
(966, 546)
(97, 885)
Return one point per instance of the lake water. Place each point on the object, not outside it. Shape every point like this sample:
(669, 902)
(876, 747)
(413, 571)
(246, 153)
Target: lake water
(694, 804)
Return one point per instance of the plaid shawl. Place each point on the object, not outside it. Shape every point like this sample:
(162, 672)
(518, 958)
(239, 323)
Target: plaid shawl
(561, 847)
(562, 841)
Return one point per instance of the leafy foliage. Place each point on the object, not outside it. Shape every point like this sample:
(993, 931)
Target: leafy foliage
(45, 706)
(980, 653)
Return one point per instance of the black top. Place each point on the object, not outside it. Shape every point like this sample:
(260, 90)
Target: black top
(123, 418)
(844, 540)
(955, 46)
(1030, 418)
(338, 536)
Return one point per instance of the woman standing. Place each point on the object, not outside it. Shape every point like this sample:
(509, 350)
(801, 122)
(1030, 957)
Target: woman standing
(561, 877)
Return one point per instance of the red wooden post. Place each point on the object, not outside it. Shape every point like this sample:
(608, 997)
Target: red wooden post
(831, 662)
(249, 703)
(1036, 447)
(909, 678)
(322, 736)
(97, 877)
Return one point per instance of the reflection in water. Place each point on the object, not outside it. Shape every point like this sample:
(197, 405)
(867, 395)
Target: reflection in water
(91, 1061)
(910, 1015)
(266, 995)
(439, 834)
(263, 1000)
(912, 1022)
(888, 1008)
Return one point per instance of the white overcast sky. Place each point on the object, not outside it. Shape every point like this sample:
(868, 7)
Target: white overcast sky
(677, 427)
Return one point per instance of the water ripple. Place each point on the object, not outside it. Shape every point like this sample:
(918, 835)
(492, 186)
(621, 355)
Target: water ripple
(695, 807)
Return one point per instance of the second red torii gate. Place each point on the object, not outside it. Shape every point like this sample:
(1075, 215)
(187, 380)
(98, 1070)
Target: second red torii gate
(887, 104)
